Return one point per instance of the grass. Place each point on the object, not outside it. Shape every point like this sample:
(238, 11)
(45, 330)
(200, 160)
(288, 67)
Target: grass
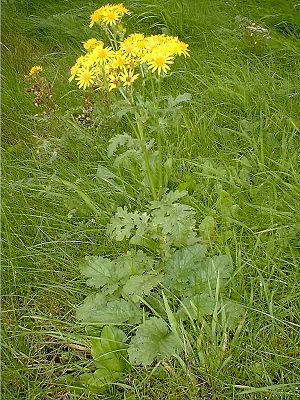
(236, 149)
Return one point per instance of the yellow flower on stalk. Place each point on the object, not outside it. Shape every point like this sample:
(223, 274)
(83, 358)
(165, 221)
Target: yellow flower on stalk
(180, 48)
(121, 8)
(101, 54)
(128, 77)
(85, 77)
(95, 17)
(127, 46)
(109, 14)
(159, 62)
(111, 17)
(90, 44)
(119, 60)
(113, 81)
(35, 70)
(74, 71)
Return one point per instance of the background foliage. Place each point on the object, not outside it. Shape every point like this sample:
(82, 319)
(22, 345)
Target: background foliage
(236, 150)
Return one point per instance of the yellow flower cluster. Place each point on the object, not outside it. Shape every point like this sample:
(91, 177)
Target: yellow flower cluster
(109, 14)
(35, 70)
(136, 55)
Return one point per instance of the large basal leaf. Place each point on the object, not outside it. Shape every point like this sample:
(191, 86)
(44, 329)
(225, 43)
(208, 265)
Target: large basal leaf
(189, 272)
(97, 382)
(88, 310)
(181, 268)
(109, 350)
(196, 306)
(96, 309)
(135, 262)
(100, 271)
(140, 285)
(153, 341)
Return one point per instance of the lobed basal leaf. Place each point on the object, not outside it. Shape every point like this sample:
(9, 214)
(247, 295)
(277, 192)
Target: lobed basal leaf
(96, 308)
(141, 285)
(189, 272)
(153, 341)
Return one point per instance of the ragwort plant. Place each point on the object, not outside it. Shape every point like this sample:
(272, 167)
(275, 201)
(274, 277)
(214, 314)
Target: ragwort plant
(147, 299)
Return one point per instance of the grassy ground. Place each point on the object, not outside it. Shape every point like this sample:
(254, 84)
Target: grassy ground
(236, 150)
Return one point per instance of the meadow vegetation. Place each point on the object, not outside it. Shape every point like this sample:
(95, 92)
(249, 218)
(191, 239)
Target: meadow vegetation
(234, 146)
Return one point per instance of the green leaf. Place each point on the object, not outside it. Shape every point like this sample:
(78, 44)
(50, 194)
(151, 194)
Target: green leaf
(234, 312)
(135, 262)
(120, 311)
(109, 351)
(169, 198)
(175, 220)
(188, 272)
(127, 158)
(140, 285)
(153, 341)
(104, 173)
(118, 141)
(100, 271)
(97, 309)
(123, 223)
(207, 228)
(180, 269)
(88, 310)
(97, 382)
(218, 266)
(179, 99)
(197, 306)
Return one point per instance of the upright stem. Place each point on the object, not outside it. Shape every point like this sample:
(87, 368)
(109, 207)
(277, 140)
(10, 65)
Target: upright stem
(160, 166)
(159, 144)
(149, 173)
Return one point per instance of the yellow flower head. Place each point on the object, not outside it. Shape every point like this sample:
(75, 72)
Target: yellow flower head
(90, 44)
(113, 81)
(85, 77)
(35, 70)
(160, 62)
(179, 48)
(73, 72)
(128, 77)
(120, 60)
(109, 14)
(102, 54)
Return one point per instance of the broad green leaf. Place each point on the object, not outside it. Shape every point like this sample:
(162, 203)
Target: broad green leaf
(153, 341)
(135, 263)
(197, 306)
(100, 271)
(118, 141)
(189, 272)
(97, 382)
(207, 228)
(218, 266)
(168, 199)
(88, 310)
(120, 311)
(104, 173)
(140, 285)
(109, 350)
(97, 309)
(127, 158)
(180, 269)
(234, 312)
(176, 220)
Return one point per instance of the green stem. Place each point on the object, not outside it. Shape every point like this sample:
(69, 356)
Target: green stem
(140, 130)
(160, 162)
